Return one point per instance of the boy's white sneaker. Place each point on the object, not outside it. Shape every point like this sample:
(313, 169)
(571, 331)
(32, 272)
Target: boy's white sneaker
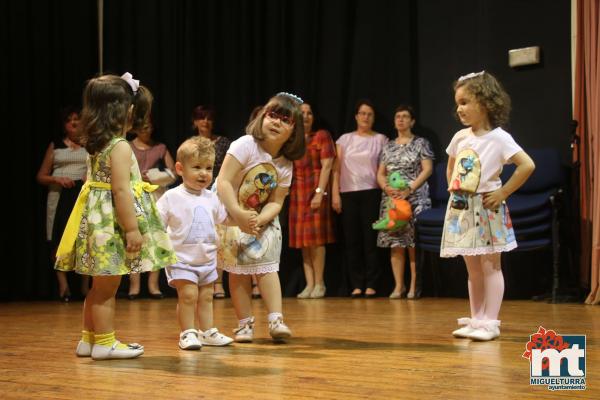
(279, 330)
(244, 333)
(188, 340)
(213, 337)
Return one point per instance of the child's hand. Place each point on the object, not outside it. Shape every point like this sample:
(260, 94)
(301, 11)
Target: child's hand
(246, 220)
(492, 200)
(134, 241)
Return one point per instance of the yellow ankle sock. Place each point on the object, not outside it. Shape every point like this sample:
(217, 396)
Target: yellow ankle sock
(107, 339)
(87, 337)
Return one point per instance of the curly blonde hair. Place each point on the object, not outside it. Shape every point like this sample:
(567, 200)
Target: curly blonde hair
(196, 147)
(490, 94)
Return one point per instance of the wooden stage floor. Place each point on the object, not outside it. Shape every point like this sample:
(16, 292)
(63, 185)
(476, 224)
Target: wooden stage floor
(341, 349)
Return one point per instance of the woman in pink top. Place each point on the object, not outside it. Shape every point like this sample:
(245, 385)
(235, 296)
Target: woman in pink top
(356, 195)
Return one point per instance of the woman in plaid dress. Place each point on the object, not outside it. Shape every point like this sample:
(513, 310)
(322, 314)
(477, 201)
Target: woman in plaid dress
(310, 216)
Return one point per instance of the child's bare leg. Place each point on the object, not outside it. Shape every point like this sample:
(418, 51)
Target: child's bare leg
(240, 287)
(100, 303)
(187, 297)
(204, 308)
(270, 289)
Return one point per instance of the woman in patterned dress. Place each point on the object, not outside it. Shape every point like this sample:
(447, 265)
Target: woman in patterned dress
(203, 119)
(310, 216)
(411, 156)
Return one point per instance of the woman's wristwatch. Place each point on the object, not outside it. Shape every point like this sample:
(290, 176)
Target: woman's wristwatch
(318, 190)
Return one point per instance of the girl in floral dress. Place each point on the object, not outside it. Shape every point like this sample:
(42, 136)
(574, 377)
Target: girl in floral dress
(114, 228)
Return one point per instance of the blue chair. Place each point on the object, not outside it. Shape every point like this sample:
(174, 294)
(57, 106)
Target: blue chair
(429, 226)
(534, 208)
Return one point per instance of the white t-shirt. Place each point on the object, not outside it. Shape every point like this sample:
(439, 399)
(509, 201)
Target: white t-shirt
(190, 220)
(260, 173)
(493, 150)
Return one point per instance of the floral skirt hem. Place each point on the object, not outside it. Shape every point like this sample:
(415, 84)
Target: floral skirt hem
(470, 229)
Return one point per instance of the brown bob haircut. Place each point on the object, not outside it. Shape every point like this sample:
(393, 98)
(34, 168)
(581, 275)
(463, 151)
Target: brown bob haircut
(286, 105)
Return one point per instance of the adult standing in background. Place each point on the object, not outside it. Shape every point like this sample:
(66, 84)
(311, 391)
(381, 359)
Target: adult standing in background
(157, 167)
(63, 170)
(412, 157)
(356, 197)
(310, 216)
(203, 120)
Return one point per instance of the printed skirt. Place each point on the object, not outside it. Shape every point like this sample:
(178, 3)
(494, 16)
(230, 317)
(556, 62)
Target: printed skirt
(241, 253)
(470, 229)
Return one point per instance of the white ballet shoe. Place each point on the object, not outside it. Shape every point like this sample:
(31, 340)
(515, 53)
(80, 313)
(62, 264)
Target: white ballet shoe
(485, 330)
(101, 352)
(465, 330)
(84, 349)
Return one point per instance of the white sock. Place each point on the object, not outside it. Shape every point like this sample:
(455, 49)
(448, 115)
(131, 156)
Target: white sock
(245, 321)
(274, 315)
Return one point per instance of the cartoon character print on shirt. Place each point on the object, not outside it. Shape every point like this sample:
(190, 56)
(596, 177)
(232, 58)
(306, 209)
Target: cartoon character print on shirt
(201, 228)
(465, 178)
(256, 187)
(254, 192)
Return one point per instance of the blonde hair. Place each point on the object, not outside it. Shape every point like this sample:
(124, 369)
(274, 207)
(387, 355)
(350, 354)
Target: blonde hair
(196, 147)
(488, 92)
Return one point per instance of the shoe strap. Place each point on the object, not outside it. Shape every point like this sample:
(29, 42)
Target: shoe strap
(188, 331)
(211, 332)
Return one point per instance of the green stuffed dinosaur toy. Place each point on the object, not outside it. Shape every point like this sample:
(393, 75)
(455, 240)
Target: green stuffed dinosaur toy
(398, 211)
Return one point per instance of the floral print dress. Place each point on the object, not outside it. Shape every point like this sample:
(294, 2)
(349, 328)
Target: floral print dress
(406, 159)
(99, 245)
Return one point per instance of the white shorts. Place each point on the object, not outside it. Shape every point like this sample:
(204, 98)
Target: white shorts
(199, 274)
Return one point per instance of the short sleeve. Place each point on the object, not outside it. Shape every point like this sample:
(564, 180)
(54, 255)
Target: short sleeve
(241, 149)
(343, 140)
(326, 144)
(163, 208)
(426, 153)
(510, 147)
(451, 149)
(285, 180)
(383, 156)
(220, 213)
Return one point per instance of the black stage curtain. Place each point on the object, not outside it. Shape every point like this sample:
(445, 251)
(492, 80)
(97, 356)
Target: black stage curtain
(235, 54)
(49, 48)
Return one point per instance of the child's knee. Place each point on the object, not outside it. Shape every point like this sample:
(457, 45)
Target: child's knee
(206, 294)
(187, 293)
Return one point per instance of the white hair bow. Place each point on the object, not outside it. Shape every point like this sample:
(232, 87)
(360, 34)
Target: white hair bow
(134, 83)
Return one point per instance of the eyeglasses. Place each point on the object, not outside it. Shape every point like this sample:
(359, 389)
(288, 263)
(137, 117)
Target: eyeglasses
(283, 118)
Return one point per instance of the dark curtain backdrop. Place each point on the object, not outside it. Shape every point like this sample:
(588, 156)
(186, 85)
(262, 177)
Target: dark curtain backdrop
(49, 48)
(234, 55)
